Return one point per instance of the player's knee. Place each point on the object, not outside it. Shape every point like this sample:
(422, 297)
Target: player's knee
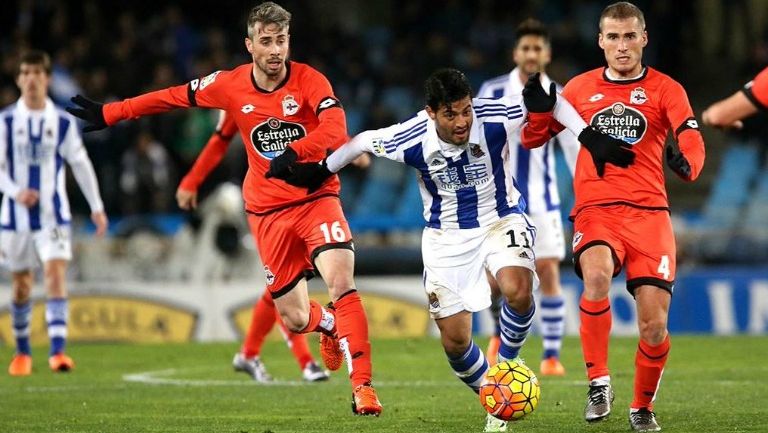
(653, 331)
(295, 321)
(597, 281)
(339, 284)
(456, 345)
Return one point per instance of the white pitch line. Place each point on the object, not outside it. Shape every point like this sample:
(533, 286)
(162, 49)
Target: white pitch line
(161, 377)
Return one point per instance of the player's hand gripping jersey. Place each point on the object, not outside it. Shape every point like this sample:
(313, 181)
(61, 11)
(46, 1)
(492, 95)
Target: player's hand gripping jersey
(301, 112)
(641, 112)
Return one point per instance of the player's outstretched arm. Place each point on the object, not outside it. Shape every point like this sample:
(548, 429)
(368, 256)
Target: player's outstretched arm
(91, 112)
(727, 113)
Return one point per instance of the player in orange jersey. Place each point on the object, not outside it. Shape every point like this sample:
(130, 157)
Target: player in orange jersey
(286, 112)
(264, 314)
(621, 215)
(729, 112)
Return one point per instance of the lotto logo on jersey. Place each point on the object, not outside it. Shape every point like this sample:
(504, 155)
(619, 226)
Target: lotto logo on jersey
(621, 121)
(270, 138)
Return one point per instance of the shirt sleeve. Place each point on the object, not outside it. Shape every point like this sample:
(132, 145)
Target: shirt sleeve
(390, 142)
(7, 186)
(207, 92)
(571, 146)
(74, 152)
(757, 90)
(331, 132)
(212, 153)
(679, 114)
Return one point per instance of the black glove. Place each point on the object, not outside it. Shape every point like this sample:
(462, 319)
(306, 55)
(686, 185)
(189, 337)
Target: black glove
(536, 100)
(606, 149)
(282, 166)
(310, 175)
(90, 111)
(677, 162)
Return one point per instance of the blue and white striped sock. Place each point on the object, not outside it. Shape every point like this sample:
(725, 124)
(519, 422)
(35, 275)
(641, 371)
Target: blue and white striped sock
(514, 330)
(21, 313)
(470, 367)
(56, 313)
(552, 324)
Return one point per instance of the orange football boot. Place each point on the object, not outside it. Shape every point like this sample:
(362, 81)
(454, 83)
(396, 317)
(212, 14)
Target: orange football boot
(551, 367)
(492, 353)
(61, 362)
(21, 365)
(331, 352)
(365, 401)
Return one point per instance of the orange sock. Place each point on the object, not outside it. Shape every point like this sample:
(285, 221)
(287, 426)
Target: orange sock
(296, 342)
(595, 331)
(649, 364)
(262, 320)
(352, 326)
(320, 320)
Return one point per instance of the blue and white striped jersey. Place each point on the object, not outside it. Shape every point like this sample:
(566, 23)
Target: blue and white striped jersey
(33, 147)
(461, 186)
(533, 169)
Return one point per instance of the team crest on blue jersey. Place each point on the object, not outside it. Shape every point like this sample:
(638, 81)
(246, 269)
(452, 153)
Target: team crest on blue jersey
(477, 152)
(290, 106)
(638, 96)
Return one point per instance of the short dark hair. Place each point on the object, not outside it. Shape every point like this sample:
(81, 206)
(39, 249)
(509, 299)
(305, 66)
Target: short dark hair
(268, 13)
(622, 11)
(446, 86)
(531, 27)
(35, 57)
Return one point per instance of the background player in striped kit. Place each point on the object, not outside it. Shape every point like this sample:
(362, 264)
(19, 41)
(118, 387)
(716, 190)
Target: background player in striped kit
(474, 215)
(534, 171)
(35, 139)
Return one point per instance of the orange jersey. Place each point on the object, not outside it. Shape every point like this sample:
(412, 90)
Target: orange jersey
(641, 112)
(757, 90)
(301, 112)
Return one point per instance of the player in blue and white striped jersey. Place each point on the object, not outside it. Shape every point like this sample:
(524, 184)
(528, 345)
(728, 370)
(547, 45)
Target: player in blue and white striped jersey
(473, 211)
(535, 173)
(35, 139)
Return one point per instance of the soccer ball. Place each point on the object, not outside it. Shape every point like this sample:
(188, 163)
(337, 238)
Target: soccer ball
(509, 391)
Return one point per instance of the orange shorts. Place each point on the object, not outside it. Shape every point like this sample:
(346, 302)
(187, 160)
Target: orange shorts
(640, 240)
(288, 240)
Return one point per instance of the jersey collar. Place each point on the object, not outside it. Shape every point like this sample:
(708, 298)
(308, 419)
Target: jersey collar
(282, 83)
(22, 108)
(640, 77)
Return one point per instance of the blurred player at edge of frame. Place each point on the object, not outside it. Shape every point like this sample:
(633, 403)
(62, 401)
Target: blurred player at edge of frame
(729, 112)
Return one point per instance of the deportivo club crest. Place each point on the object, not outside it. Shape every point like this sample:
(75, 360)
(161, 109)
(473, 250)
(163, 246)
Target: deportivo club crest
(290, 106)
(270, 276)
(477, 152)
(638, 96)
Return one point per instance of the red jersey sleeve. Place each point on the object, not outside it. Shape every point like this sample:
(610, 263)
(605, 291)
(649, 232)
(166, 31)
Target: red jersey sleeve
(206, 92)
(331, 132)
(212, 153)
(757, 90)
(680, 117)
(539, 129)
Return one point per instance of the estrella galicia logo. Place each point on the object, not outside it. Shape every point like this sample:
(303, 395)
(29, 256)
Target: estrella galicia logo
(622, 122)
(271, 137)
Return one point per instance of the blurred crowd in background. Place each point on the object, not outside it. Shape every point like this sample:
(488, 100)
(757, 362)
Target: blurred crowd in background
(376, 55)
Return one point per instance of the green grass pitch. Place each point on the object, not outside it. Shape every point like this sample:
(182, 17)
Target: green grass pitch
(711, 384)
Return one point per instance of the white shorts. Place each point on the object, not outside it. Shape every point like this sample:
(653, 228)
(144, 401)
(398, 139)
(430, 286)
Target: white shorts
(550, 242)
(27, 250)
(455, 261)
